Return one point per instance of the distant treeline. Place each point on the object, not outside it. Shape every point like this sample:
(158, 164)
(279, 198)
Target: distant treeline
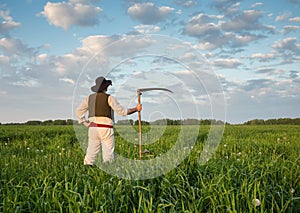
(47, 122)
(189, 121)
(294, 121)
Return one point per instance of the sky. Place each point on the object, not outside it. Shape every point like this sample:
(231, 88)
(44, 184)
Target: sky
(223, 59)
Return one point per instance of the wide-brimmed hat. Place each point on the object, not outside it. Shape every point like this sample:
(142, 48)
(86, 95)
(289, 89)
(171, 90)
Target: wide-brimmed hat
(101, 84)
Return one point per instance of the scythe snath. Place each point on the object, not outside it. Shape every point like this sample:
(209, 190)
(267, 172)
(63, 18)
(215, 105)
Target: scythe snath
(139, 93)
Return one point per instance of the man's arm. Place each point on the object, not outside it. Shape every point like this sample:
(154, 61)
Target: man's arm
(133, 110)
(81, 112)
(119, 109)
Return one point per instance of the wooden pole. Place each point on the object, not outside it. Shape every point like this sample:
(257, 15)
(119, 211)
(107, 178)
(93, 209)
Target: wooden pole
(140, 123)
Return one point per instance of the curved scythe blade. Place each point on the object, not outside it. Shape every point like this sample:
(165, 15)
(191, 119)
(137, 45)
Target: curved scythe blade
(154, 88)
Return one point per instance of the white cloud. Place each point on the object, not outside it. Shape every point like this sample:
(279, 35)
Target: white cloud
(147, 29)
(295, 19)
(227, 63)
(13, 46)
(8, 23)
(67, 80)
(202, 24)
(256, 4)
(67, 14)
(283, 16)
(262, 56)
(4, 59)
(27, 83)
(148, 13)
(42, 57)
(288, 29)
(287, 44)
(186, 3)
(247, 20)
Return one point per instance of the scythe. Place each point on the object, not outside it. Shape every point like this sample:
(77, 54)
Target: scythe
(139, 93)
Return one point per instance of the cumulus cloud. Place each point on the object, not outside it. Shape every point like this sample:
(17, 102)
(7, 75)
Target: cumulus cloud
(202, 24)
(287, 44)
(217, 31)
(226, 6)
(289, 28)
(67, 14)
(13, 47)
(247, 20)
(283, 16)
(148, 13)
(227, 63)
(8, 23)
(295, 19)
(263, 57)
(147, 28)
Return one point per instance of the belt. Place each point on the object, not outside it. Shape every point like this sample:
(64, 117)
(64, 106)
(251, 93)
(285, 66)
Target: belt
(92, 124)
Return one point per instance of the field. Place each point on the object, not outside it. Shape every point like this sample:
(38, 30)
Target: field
(255, 169)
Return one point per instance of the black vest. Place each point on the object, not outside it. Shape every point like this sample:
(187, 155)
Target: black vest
(98, 105)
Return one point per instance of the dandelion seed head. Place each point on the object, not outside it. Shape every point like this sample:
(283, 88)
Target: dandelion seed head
(256, 202)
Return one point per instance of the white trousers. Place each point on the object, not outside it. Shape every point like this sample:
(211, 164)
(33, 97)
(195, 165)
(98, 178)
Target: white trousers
(100, 137)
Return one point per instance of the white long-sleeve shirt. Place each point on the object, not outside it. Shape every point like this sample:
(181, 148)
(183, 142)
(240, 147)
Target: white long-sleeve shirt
(82, 110)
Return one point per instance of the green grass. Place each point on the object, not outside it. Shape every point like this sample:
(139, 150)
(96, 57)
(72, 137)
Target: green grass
(42, 171)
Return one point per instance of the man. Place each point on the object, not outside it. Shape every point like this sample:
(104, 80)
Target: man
(100, 107)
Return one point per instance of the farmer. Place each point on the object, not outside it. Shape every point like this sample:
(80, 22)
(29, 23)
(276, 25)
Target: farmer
(101, 107)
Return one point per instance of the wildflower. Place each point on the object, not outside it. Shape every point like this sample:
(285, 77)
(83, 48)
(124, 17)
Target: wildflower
(5, 144)
(292, 190)
(59, 153)
(225, 145)
(259, 153)
(256, 202)
(63, 149)
(28, 148)
(239, 153)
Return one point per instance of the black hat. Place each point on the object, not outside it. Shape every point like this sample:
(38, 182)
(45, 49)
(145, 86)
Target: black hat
(101, 84)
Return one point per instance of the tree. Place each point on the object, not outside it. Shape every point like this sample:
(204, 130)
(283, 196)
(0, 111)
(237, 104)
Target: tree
(59, 122)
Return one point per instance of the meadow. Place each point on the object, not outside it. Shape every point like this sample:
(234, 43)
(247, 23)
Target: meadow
(255, 169)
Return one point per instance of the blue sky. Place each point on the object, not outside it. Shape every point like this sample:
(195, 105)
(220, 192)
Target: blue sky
(242, 57)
